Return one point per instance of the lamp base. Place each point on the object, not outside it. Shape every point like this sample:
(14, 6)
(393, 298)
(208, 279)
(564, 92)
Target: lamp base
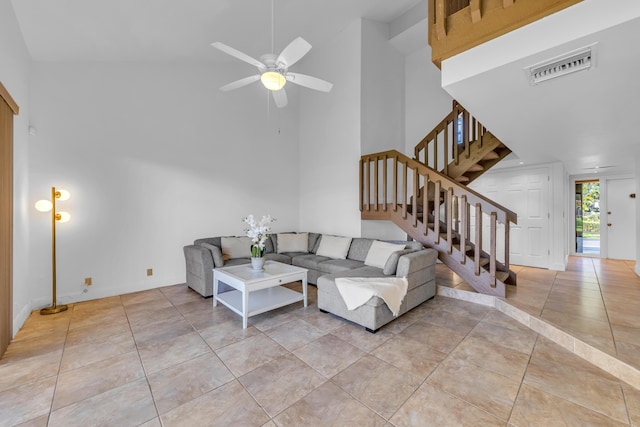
(54, 309)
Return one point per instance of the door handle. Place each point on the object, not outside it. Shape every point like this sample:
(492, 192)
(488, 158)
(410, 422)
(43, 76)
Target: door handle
(609, 225)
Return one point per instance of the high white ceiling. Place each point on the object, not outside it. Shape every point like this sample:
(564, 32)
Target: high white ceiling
(585, 120)
(182, 30)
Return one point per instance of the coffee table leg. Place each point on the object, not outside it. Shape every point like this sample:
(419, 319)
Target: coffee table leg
(304, 289)
(215, 291)
(245, 308)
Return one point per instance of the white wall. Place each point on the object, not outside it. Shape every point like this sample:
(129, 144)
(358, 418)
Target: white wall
(154, 156)
(330, 136)
(14, 72)
(383, 104)
(426, 102)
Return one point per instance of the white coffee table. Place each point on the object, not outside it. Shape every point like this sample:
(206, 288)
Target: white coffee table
(264, 286)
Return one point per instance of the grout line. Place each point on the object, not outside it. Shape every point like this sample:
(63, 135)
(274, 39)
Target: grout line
(596, 357)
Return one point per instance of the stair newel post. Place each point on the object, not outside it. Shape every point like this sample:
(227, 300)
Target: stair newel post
(506, 243)
(376, 189)
(449, 211)
(464, 230)
(414, 204)
(436, 211)
(446, 150)
(425, 204)
(492, 252)
(465, 133)
(384, 183)
(404, 190)
(395, 183)
(478, 242)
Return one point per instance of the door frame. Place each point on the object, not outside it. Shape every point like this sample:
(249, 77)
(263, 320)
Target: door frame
(6, 220)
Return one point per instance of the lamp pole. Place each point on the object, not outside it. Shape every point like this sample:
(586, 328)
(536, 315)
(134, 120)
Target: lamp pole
(55, 216)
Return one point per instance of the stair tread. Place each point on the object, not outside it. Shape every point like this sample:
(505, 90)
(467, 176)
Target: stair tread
(462, 178)
(502, 275)
(491, 155)
(475, 168)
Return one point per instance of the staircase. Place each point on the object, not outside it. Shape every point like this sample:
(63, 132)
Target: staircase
(427, 197)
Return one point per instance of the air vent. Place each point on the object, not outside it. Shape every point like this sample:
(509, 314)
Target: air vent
(571, 62)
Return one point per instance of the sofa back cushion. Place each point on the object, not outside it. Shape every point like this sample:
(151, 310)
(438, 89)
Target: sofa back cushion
(236, 247)
(379, 253)
(391, 265)
(359, 248)
(292, 242)
(334, 247)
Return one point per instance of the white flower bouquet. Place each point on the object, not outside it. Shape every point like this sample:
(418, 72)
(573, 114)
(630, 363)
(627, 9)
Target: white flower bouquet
(259, 232)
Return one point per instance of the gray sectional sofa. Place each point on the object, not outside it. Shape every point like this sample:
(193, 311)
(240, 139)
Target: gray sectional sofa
(415, 263)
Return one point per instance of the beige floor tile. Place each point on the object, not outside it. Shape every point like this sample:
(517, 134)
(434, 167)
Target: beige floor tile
(594, 332)
(246, 355)
(143, 314)
(26, 402)
(361, 338)
(214, 316)
(228, 332)
(127, 405)
(377, 384)
(429, 406)
(629, 353)
(441, 316)
(518, 340)
(194, 307)
(271, 319)
(100, 316)
(181, 294)
(41, 327)
(410, 355)
(555, 371)
(485, 354)
(96, 378)
(325, 322)
(462, 308)
(85, 354)
(329, 355)
(35, 422)
(437, 337)
(294, 334)
(632, 397)
(481, 387)
(587, 309)
(178, 384)
(278, 384)
(328, 405)
(171, 352)
(160, 331)
(34, 346)
(91, 333)
(133, 298)
(537, 408)
(228, 405)
(30, 369)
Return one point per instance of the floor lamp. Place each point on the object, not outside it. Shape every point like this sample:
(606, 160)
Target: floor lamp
(46, 206)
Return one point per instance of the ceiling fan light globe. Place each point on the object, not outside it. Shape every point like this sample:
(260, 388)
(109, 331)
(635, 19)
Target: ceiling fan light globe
(273, 80)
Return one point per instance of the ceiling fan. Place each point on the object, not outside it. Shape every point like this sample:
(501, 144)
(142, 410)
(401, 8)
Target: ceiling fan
(274, 70)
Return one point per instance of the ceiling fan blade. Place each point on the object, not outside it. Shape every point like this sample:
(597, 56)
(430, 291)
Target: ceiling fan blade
(294, 52)
(280, 98)
(310, 82)
(240, 83)
(237, 54)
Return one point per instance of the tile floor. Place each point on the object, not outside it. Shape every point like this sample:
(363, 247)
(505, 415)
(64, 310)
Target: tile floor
(167, 357)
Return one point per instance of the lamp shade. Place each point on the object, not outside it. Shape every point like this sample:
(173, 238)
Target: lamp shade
(63, 216)
(64, 195)
(44, 205)
(273, 80)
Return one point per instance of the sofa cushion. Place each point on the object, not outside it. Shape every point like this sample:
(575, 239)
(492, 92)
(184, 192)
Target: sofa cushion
(379, 253)
(309, 261)
(292, 242)
(392, 262)
(237, 261)
(283, 258)
(216, 252)
(338, 265)
(359, 248)
(236, 247)
(334, 246)
(314, 242)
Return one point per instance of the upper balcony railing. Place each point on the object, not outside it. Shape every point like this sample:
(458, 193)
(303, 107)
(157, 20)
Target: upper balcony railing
(458, 25)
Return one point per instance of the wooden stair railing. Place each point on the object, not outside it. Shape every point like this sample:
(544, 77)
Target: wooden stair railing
(450, 219)
(460, 147)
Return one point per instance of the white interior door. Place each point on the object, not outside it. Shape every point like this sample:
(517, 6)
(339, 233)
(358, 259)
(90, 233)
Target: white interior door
(525, 192)
(621, 219)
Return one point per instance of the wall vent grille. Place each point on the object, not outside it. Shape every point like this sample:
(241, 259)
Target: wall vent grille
(571, 62)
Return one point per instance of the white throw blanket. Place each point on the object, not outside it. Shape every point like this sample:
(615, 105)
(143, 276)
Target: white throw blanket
(356, 291)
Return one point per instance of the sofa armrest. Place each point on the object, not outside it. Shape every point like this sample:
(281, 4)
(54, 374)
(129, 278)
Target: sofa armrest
(199, 268)
(416, 261)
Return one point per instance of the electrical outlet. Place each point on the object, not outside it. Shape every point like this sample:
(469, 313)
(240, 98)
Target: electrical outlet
(149, 271)
(87, 281)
